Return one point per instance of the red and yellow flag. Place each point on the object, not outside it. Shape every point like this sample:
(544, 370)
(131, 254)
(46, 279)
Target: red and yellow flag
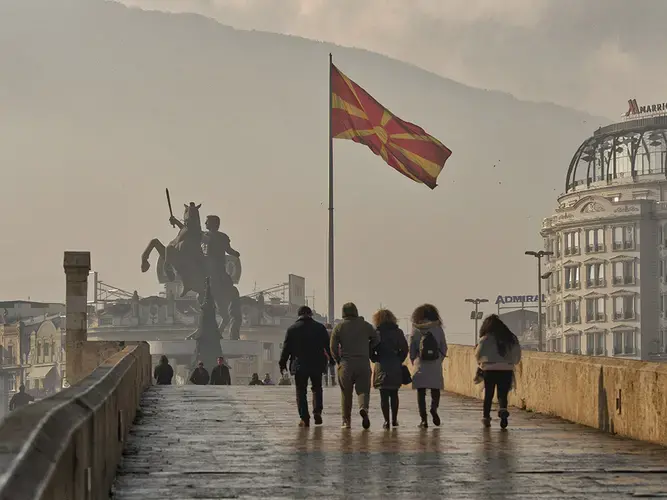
(403, 145)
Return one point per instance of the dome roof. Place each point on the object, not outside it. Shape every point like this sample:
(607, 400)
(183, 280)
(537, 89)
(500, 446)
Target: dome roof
(619, 151)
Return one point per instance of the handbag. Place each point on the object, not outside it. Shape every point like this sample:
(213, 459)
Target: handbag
(479, 376)
(405, 375)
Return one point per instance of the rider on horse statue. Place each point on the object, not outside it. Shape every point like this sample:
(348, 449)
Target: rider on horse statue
(216, 245)
(194, 256)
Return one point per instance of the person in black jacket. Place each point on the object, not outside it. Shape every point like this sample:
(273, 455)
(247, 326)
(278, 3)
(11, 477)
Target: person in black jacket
(220, 373)
(306, 347)
(163, 372)
(200, 375)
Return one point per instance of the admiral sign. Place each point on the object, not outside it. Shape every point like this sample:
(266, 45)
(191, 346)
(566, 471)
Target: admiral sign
(518, 299)
(635, 109)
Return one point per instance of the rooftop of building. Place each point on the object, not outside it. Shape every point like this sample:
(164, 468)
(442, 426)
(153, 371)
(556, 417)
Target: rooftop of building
(621, 152)
(32, 303)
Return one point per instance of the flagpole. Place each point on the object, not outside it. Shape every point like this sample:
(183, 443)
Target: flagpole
(330, 298)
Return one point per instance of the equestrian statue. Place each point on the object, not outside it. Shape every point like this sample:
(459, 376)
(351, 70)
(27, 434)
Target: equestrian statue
(193, 256)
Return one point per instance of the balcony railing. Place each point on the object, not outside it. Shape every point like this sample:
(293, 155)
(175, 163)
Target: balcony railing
(624, 315)
(8, 361)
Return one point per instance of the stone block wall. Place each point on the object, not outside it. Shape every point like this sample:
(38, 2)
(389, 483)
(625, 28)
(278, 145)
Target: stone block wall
(67, 447)
(93, 353)
(624, 397)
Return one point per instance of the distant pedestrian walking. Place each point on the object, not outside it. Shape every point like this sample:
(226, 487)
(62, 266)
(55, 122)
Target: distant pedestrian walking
(20, 399)
(220, 373)
(352, 341)
(163, 372)
(255, 380)
(267, 379)
(388, 356)
(428, 348)
(199, 375)
(497, 353)
(306, 348)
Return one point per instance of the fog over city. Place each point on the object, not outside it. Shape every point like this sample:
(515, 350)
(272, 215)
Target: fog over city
(104, 105)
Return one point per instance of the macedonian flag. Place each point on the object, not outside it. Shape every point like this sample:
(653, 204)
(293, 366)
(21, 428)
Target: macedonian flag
(404, 146)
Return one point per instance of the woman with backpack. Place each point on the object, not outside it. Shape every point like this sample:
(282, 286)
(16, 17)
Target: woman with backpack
(497, 353)
(428, 348)
(388, 357)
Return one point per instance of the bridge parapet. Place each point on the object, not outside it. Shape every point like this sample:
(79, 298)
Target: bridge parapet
(624, 397)
(67, 446)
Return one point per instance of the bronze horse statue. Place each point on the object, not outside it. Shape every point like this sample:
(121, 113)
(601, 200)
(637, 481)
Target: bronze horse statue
(184, 259)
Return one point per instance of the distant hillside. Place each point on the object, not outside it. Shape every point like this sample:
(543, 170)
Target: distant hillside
(103, 106)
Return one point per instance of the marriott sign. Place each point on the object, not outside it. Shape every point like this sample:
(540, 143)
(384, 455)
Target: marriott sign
(635, 109)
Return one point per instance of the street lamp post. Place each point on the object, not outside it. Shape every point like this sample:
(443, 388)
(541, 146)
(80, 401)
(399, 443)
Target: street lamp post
(477, 302)
(540, 277)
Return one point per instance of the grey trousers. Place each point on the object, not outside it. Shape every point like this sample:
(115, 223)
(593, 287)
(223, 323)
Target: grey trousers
(354, 376)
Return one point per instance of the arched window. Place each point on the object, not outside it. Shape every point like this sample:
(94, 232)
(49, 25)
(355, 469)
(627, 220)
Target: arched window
(46, 351)
(39, 351)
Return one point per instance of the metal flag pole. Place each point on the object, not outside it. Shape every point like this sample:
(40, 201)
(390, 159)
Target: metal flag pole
(330, 295)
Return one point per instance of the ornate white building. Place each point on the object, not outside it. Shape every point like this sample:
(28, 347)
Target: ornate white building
(607, 294)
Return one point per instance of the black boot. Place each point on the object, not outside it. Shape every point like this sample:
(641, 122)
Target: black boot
(504, 415)
(365, 421)
(435, 416)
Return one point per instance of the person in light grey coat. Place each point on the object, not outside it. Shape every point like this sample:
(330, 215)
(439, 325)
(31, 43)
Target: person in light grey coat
(427, 373)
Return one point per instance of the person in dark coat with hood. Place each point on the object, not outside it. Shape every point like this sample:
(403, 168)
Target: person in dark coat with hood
(352, 342)
(163, 372)
(389, 356)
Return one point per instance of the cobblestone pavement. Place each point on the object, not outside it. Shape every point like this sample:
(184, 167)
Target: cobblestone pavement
(213, 442)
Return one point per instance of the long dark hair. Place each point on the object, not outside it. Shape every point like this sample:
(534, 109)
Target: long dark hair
(495, 327)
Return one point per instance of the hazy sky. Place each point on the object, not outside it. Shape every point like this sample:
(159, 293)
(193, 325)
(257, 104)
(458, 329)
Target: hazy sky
(103, 107)
(592, 55)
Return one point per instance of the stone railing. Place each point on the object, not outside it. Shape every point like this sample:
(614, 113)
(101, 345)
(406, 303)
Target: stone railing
(624, 397)
(67, 447)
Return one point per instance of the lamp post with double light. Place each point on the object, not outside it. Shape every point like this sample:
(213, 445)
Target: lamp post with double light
(476, 314)
(538, 255)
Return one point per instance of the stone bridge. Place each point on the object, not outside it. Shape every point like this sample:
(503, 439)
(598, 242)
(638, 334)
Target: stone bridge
(580, 428)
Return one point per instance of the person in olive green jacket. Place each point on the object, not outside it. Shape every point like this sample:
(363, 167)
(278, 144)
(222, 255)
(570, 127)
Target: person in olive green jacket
(352, 341)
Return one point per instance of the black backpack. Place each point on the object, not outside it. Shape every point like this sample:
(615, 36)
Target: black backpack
(428, 347)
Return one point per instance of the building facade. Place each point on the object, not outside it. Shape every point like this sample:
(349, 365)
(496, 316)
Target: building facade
(32, 353)
(607, 294)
